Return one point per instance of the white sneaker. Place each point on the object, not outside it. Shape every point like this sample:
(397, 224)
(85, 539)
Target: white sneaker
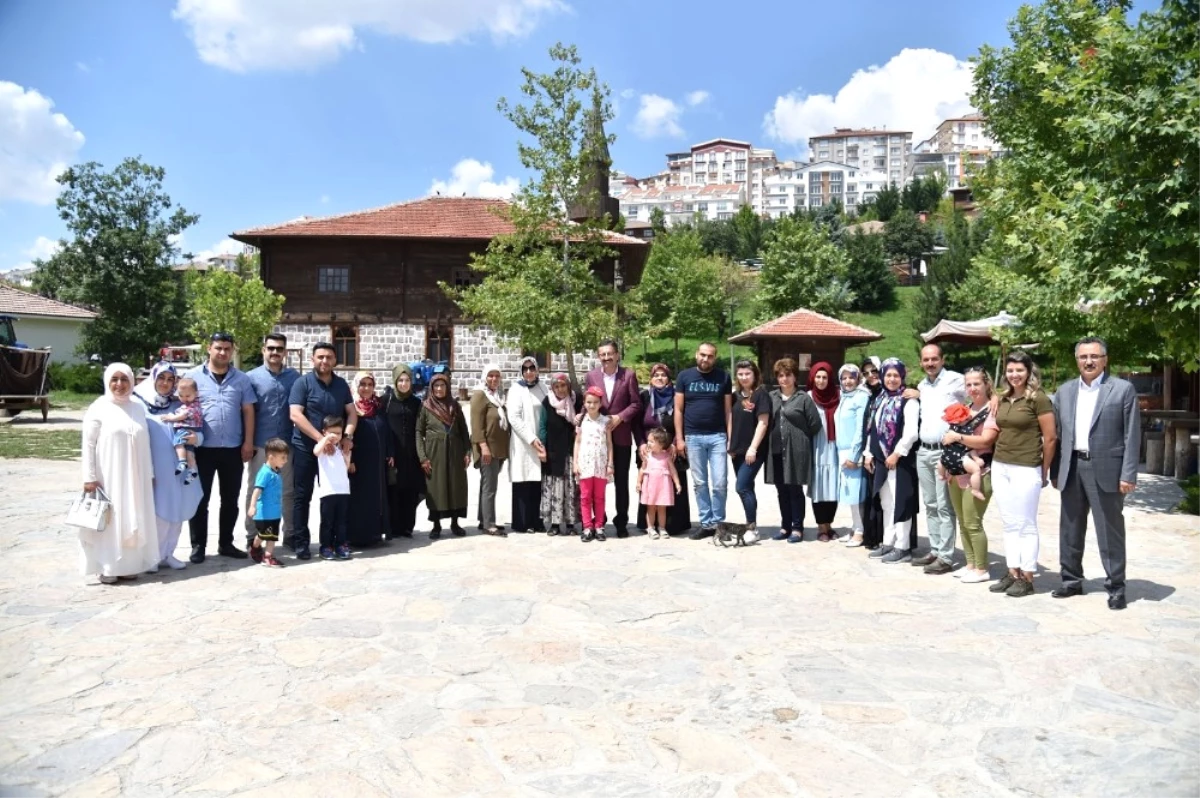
(853, 542)
(173, 564)
(653, 534)
(108, 580)
(976, 576)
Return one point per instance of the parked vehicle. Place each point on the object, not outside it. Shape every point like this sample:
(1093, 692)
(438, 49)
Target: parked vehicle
(24, 373)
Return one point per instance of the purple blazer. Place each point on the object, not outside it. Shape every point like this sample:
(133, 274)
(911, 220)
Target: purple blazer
(626, 401)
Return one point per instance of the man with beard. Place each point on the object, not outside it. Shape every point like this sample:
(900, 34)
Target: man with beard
(272, 382)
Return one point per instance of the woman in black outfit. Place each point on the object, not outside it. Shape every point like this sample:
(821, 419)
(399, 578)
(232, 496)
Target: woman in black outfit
(556, 430)
(872, 512)
(658, 402)
(369, 521)
(407, 488)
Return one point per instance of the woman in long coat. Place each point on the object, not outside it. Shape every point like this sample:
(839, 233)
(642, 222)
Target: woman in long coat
(892, 460)
(525, 450)
(116, 457)
(852, 484)
(444, 448)
(658, 403)
(823, 485)
(406, 485)
(489, 444)
(794, 419)
(369, 521)
(560, 495)
(175, 501)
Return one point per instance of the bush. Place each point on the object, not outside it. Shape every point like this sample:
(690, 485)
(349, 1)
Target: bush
(77, 378)
(1191, 495)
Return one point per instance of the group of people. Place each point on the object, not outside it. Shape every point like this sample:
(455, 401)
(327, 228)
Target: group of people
(857, 436)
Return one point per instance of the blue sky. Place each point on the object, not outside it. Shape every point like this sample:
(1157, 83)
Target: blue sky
(264, 110)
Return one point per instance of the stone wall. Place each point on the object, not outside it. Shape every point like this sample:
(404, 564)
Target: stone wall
(382, 346)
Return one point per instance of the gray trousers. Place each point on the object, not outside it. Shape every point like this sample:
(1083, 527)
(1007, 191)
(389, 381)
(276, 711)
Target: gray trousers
(1082, 494)
(256, 462)
(939, 511)
(489, 480)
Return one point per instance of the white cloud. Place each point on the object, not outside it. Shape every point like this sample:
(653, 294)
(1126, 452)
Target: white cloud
(42, 249)
(627, 94)
(226, 246)
(36, 145)
(82, 67)
(324, 199)
(657, 116)
(914, 91)
(245, 35)
(698, 97)
(474, 179)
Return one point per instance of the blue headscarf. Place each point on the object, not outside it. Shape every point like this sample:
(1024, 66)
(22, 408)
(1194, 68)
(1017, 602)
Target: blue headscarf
(147, 389)
(890, 405)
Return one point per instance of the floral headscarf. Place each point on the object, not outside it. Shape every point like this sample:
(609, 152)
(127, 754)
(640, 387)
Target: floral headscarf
(444, 409)
(890, 405)
(367, 408)
(147, 389)
(565, 406)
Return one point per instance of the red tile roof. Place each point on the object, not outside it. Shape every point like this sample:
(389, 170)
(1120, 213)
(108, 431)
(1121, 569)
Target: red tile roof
(804, 323)
(471, 218)
(16, 302)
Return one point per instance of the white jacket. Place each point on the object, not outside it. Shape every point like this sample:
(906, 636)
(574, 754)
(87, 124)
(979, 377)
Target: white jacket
(524, 406)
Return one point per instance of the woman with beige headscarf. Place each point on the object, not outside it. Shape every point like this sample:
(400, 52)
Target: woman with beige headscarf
(116, 457)
(489, 444)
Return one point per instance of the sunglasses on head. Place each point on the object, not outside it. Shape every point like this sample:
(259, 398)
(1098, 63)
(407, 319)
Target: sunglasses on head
(220, 337)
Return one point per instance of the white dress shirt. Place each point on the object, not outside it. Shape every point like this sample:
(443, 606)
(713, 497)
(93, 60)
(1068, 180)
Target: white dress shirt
(1085, 409)
(610, 382)
(946, 389)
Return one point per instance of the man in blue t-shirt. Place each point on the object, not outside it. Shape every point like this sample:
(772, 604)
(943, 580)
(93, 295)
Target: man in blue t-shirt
(272, 383)
(703, 413)
(317, 394)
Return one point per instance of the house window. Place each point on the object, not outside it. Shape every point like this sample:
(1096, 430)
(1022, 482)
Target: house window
(333, 279)
(345, 344)
(439, 344)
(541, 358)
(465, 278)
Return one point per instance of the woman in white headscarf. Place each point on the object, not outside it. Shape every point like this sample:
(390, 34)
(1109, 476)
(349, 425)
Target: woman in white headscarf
(175, 501)
(116, 457)
(489, 443)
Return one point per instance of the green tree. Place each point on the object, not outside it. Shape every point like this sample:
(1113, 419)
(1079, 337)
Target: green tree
(905, 237)
(658, 220)
(748, 227)
(718, 237)
(945, 272)
(118, 259)
(869, 273)
(539, 289)
(802, 268)
(887, 202)
(235, 302)
(1096, 206)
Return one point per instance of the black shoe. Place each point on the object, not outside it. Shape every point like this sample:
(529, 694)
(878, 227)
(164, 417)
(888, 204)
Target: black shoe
(623, 532)
(232, 552)
(197, 554)
(927, 559)
(458, 531)
(1116, 602)
(303, 553)
(702, 533)
(554, 530)
(1066, 592)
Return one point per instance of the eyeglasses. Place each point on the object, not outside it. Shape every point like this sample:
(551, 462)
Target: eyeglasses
(529, 367)
(1090, 357)
(275, 348)
(221, 337)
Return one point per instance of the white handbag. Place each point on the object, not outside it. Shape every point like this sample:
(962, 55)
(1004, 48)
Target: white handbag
(90, 511)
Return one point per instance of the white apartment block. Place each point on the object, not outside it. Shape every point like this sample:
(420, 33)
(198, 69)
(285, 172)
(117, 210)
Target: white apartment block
(879, 150)
(721, 162)
(958, 148)
(683, 203)
(964, 134)
(807, 186)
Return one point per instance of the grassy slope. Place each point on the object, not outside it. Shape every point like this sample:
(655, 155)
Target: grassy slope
(896, 326)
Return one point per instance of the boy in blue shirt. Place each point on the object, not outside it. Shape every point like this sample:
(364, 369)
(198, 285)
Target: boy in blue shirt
(266, 503)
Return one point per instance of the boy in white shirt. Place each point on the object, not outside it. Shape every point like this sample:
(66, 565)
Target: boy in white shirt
(333, 487)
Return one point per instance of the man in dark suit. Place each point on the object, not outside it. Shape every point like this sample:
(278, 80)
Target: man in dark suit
(1095, 468)
(622, 404)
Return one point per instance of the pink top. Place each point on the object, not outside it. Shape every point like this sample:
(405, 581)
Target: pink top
(964, 481)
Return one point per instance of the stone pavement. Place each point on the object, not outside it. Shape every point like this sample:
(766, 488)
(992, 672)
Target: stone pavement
(535, 666)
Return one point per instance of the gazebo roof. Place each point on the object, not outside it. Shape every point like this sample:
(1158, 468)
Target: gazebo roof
(804, 323)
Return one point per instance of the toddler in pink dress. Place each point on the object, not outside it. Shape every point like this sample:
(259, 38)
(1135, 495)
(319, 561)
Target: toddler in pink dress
(658, 481)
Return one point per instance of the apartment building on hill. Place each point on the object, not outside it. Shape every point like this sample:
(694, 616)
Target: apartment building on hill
(876, 150)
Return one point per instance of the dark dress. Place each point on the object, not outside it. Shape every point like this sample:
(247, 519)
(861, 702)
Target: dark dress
(679, 515)
(906, 477)
(872, 510)
(409, 488)
(369, 519)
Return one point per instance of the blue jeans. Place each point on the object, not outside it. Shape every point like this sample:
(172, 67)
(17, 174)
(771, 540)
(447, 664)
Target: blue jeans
(745, 474)
(708, 458)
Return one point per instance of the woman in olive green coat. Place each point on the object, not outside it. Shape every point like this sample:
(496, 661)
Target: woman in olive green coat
(444, 449)
(489, 438)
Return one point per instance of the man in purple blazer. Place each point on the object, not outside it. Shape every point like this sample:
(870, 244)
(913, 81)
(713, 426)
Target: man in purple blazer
(622, 404)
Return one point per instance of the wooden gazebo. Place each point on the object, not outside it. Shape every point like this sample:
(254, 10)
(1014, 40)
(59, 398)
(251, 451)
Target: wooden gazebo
(807, 336)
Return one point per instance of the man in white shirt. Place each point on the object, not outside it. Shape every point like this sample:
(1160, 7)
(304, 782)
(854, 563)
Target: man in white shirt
(940, 389)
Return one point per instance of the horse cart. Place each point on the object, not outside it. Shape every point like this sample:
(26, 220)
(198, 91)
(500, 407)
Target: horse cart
(24, 374)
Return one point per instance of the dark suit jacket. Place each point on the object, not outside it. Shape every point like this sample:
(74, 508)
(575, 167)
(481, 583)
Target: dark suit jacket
(1115, 441)
(625, 401)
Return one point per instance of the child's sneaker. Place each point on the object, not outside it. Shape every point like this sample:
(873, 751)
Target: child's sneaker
(600, 535)
(192, 474)
(327, 553)
(343, 552)
(270, 561)
(586, 535)
(180, 467)
(256, 552)
(653, 534)
(188, 478)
